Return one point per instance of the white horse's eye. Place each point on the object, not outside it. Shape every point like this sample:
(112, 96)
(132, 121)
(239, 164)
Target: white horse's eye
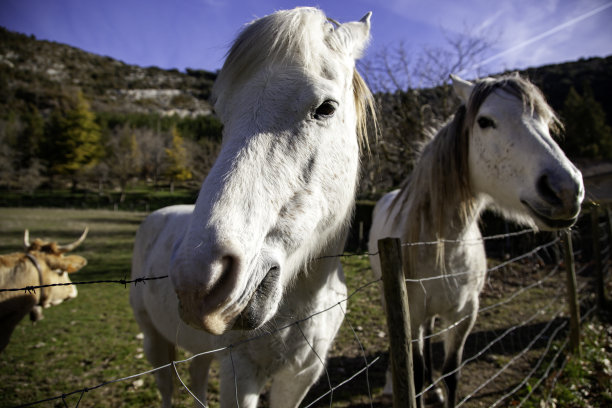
(485, 122)
(325, 110)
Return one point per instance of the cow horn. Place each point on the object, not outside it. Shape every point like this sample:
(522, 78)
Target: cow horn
(70, 247)
(26, 239)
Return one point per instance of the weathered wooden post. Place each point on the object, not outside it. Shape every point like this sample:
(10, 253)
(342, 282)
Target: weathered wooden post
(609, 219)
(398, 322)
(599, 275)
(572, 293)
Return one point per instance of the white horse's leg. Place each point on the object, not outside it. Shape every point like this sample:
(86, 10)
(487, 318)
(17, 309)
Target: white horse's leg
(290, 385)
(435, 395)
(418, 365)
(198, 371)
(157, 349)
(388, 388)
(453, 348)
(241, 382)
(159, 352)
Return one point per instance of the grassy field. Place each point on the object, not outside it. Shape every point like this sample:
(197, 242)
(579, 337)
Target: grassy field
(94, 339)
(85, 341)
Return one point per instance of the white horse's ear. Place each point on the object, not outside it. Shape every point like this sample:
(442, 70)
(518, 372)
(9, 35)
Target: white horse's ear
(355, 35)
(462, 88)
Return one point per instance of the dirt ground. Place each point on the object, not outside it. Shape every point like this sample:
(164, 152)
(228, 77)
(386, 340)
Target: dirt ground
(529, 320)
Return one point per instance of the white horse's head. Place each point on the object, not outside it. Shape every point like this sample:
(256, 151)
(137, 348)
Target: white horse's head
(513, 160)
(283, 186)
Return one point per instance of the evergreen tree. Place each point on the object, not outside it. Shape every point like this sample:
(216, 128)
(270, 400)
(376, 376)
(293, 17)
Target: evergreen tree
(72, 139)
(31, 137)
(586, 132)
(177, 158)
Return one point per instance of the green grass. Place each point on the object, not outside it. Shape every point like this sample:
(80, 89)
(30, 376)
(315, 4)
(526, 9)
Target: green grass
(586, 380)
(85, 341)
(93, 339)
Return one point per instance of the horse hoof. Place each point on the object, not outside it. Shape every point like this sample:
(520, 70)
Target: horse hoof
(435, 397)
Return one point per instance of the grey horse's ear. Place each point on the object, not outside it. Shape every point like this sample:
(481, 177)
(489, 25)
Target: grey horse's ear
(355, 36)
(462, 88)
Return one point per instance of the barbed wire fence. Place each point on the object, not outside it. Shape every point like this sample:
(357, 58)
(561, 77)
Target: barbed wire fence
(549, 315)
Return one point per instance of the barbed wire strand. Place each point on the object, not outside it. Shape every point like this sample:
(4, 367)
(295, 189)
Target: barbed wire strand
(32, 288)
(552, 362)
(534, 368)
(345, 381)
(516, 293)
(185, 386)
(136, 281)
(492, 269)
(247, 340)
(522, 353)
(235, 379)
(143, 280)
(129, 377)
(331, 396)
(365, 358)
(512, 360)
(488, 346)
(457, 322)
(279, 329)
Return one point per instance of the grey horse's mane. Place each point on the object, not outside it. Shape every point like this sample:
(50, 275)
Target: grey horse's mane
(441, 175)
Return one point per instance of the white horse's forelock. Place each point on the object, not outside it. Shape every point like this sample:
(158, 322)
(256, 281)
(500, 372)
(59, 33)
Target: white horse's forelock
(285, 38)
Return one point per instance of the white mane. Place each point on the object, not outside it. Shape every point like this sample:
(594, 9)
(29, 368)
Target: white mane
(289, 38)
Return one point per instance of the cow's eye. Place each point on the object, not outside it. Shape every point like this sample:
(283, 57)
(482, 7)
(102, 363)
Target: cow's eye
(60, 272)
(485, 122)
(325, 110)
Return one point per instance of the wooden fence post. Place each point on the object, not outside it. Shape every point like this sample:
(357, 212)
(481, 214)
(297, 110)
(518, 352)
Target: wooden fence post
(599, 275)
(572, 294)
(398, 322)
(609, 219)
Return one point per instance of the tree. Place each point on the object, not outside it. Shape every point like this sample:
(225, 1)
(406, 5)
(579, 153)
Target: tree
(413, 98)
(153, 153)
(587, 134)
(7, 171)
(28, 166)
(32, 134)
(72, 139)
(177, 159)
(123, 156)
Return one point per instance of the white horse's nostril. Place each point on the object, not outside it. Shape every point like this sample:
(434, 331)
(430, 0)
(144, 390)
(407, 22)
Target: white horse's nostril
(548, 192)
(224, 274)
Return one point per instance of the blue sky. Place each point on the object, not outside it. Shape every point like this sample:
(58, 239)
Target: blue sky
(196, 33)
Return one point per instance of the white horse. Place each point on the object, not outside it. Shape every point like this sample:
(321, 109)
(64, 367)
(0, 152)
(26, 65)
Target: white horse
(246, 259)
(497, 151)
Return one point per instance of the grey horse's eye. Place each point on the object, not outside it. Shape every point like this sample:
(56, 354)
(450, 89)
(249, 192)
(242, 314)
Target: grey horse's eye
(325, 110)
(485, 122)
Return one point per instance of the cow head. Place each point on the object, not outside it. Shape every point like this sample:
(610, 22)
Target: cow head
(53, 268)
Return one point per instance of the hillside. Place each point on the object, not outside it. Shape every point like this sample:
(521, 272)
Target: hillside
(556, 80)
(136, 109)
(38, 72)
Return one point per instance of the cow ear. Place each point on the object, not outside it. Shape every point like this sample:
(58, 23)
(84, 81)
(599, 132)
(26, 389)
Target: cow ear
(70, 263)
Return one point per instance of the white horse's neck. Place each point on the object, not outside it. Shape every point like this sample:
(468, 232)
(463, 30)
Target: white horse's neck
(436, 200)
(456, 224)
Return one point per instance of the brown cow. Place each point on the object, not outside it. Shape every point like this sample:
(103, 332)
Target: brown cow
(42, 263)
